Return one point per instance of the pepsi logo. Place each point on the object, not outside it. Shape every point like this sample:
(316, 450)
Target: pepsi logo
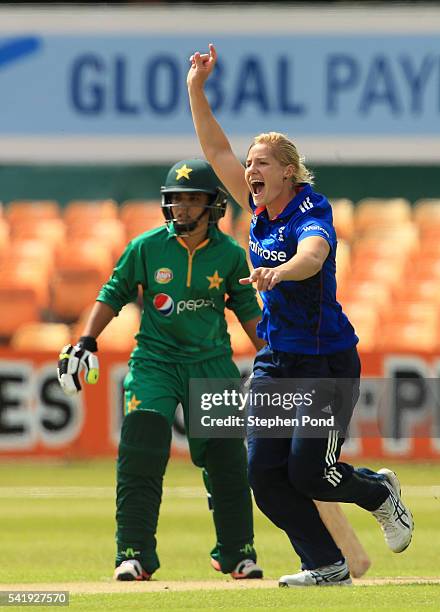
(163, 303)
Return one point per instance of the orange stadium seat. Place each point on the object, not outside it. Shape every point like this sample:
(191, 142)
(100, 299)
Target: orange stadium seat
(424, 268)
(420, 290)
(17, 305)
(135, 228)
(72, 291)
(343, 261)
(368, 337)
(243, 222)
(370, 292)
(391, 246)
(26, 210)
(386, 271)
(411, 312)
(85, 255)
(343, 218)
(109, 232)
(240, 342)
(241, 229)
(427, 219)
(226, 223)
(409, 337)
(51, 231)
(28, 264)
(4, 236)
(426, 213)
(90, 210)
(27, 276)
(134, 210)
(364, 316)
(362, 313)
(430, 246)
(32, 251)
(41, 336)
(139, 216)
(405, 235)
(375, 213)
(119, 333)
(430, 233)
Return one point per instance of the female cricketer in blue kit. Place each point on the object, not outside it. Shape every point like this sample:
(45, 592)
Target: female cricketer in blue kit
(293, 248)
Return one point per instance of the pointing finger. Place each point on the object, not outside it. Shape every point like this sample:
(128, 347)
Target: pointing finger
(212, 51)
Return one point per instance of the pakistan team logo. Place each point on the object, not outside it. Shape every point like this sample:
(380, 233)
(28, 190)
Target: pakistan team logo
(163, 275)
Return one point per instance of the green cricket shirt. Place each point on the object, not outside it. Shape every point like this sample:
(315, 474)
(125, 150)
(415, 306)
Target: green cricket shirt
(184, 294)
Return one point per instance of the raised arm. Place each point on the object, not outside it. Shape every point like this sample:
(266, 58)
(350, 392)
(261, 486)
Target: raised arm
(214, 143)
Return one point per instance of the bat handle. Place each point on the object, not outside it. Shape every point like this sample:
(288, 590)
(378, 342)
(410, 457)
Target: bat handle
(362, 566)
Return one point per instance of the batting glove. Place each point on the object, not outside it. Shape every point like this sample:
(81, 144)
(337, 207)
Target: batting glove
(74, 359)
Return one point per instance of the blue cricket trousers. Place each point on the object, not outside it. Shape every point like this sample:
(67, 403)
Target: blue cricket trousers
(287, 474)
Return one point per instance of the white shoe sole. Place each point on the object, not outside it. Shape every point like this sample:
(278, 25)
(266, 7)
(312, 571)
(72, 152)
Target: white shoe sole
(124, 577)
(393, 480)
(346, 583)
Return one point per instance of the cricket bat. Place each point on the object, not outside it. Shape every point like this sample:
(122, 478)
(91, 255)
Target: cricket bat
(345, 537)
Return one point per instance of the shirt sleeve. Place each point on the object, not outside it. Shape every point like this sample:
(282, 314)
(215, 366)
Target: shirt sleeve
(313, 226)
(128, 274)
(242, 299)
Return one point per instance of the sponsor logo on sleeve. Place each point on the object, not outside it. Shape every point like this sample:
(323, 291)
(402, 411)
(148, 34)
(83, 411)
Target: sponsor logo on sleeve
(315, 228)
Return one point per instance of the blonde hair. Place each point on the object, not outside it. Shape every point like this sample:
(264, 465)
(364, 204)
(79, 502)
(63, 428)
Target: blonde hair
(286, 153)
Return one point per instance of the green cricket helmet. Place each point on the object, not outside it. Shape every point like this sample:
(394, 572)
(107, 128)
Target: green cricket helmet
(193, 175)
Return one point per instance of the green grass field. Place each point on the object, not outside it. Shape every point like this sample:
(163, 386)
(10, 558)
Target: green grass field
(57, 526)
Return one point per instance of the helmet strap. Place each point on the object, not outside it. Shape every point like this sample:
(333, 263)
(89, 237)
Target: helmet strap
(183, 229)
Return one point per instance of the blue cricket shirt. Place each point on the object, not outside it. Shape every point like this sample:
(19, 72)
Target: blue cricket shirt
(300, 316)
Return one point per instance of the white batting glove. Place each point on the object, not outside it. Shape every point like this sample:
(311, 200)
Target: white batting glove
(74, 359)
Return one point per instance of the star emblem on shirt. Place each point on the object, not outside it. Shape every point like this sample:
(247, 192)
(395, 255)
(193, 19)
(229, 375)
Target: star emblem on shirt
(133, 403)
(214, 281)
(183, 172)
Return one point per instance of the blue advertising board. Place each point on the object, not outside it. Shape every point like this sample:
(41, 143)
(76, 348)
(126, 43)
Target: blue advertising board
(132, 85)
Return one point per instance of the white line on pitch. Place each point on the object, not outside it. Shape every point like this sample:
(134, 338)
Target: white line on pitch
(87, 492)
(430, 491)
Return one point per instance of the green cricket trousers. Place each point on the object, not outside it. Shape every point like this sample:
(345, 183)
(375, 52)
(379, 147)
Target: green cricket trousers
(153, 389)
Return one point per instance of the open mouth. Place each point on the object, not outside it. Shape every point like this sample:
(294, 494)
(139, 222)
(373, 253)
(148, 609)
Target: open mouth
(257, 187)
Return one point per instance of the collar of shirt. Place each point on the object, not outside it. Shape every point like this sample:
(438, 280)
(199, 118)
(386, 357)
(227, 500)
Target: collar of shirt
(302, 191)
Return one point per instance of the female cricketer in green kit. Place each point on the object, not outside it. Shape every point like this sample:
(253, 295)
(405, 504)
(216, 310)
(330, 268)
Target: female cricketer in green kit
(188, 271)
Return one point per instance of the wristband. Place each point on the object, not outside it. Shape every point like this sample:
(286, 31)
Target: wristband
(88, 343)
